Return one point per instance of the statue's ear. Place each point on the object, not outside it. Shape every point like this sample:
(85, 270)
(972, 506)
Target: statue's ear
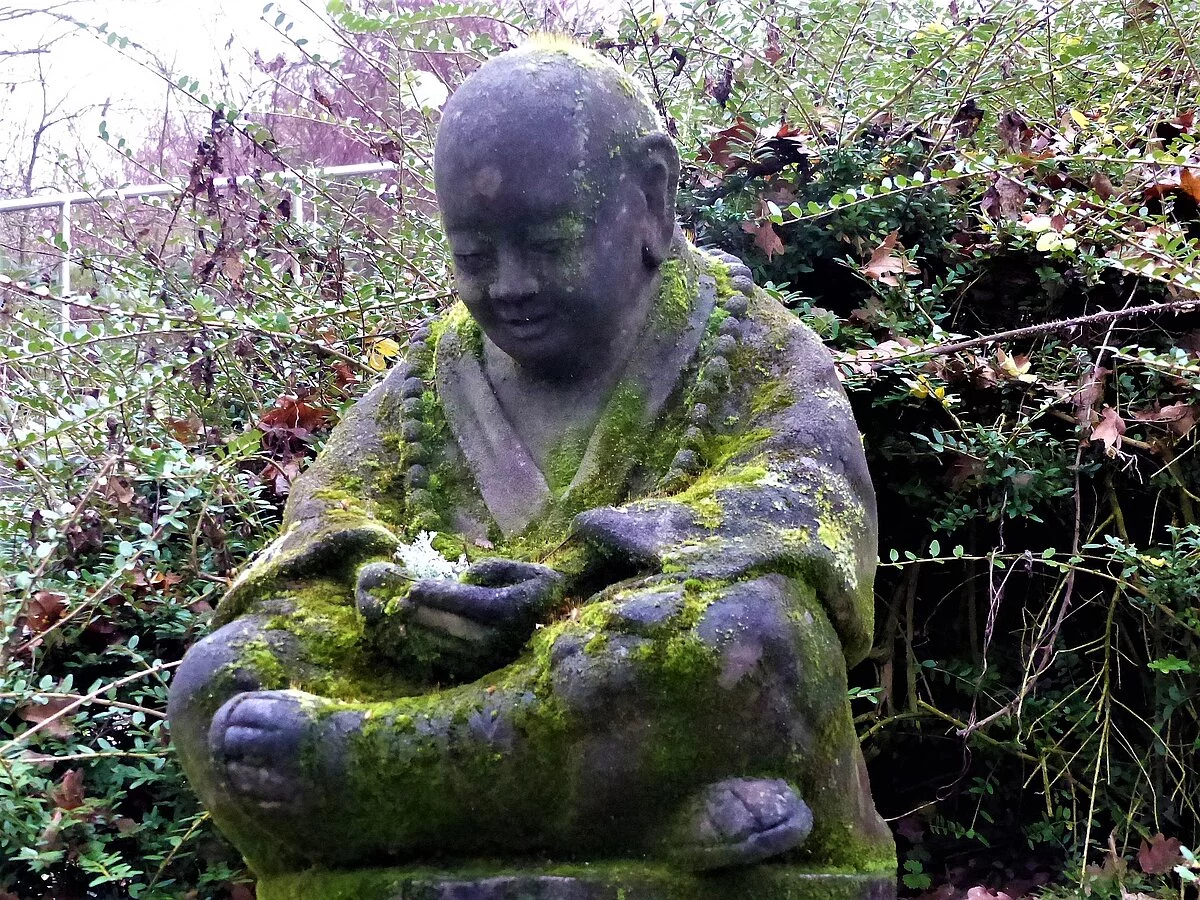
(656, 163)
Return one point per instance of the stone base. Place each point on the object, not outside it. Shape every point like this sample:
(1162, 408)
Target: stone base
(598, 881)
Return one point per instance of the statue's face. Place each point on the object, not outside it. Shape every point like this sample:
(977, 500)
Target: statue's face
(547, 252)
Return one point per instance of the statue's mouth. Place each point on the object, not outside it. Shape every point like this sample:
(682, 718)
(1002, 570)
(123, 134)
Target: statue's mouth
(527, 323)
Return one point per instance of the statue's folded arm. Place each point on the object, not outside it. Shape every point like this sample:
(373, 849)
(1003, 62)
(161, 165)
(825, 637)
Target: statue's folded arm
(780, 486)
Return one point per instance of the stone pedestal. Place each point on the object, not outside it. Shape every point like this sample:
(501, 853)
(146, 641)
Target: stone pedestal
(613, 880)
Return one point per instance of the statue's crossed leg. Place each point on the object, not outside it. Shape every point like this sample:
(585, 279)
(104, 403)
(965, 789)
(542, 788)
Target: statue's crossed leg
(683, 721)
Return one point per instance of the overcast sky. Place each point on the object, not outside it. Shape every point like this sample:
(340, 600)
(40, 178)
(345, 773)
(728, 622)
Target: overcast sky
(192, 37)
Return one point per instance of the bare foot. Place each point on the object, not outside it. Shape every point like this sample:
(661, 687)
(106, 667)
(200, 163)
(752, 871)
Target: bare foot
(741, 821)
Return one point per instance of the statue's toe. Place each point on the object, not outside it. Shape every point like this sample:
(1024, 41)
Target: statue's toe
(741, 821)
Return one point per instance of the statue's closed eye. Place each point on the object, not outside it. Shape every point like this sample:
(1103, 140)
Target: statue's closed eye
(473, 262)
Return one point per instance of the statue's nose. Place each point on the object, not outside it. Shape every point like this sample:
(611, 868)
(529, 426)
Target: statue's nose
(512, 278)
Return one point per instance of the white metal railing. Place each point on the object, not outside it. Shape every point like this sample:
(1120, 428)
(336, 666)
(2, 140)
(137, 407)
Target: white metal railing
(64, 202)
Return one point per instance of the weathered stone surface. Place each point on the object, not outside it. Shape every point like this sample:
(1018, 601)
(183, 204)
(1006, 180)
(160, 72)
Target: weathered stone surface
(602, 881)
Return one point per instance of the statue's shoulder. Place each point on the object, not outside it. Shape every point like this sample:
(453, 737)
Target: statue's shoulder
(372, 433)
(411, 381)
(781, 345)
(763, 317)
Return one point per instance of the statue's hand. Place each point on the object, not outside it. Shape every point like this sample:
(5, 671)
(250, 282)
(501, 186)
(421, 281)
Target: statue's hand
(496, 602)
(463, 627)
(255, 740)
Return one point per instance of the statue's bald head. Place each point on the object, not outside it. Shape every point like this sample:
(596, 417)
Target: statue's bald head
(550, 103)
(557, 192)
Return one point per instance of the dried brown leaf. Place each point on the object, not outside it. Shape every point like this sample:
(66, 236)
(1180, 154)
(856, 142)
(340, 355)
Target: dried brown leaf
(187, 429)
(1109, 430)
(50, 839)
(964, 470)
(1089, 393)
(730, 146)
(1015, 132)
(1140, 12)
(1159, 855)
(44, 609)
(1189, 183)
(1013, 368)
(289, 412)
(126, 825)
(765, 237)
(1004, 199)
(37, 713)
(118, 491)
(773, 51)
(1102, 185)
(979, 892)
(68, 793)
(884, 264)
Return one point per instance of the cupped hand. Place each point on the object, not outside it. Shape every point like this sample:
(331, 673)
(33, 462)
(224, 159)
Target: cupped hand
(477, 622)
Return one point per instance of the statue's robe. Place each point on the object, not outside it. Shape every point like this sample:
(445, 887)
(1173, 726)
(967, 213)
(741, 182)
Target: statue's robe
(724, 486)
(779, 480)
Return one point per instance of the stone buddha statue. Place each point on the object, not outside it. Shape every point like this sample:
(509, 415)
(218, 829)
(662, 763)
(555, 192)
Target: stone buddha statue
(633, 682)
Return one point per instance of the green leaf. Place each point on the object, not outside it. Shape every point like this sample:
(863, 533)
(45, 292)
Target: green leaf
(1169, 664)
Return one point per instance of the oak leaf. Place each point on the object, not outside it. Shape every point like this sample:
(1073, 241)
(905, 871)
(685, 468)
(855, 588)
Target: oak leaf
(884, 264)
(765, 237)
(1109, 430)
(1159, 855)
